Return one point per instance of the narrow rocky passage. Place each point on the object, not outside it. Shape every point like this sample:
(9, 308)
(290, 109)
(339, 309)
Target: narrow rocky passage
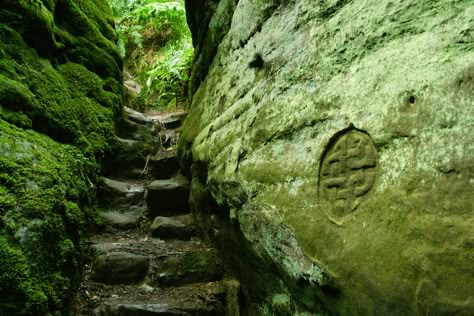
(150, 260)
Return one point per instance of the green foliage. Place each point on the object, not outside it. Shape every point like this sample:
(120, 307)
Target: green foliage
(155, 42)
(167, 18)
(169, 76)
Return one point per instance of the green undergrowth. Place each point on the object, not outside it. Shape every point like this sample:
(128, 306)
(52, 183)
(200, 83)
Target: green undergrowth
(155, 43)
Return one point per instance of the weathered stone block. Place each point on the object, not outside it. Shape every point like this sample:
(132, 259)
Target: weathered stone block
(191, 267)
(166, 227)
(165, 165)
(117, 195)
(166, 197)
(112, 266)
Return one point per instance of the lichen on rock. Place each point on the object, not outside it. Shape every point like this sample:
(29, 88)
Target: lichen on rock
(275, 86)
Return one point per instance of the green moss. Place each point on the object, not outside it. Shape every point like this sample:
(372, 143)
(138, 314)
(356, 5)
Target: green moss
(20, 293)
(17, 118)
(281, 305)
(34, 21)
(60, 82)
(102, 17)
(48, 99)
(192, 267)
(43, 190)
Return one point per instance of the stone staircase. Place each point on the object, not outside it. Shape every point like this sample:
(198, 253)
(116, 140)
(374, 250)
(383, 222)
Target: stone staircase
(150, 260)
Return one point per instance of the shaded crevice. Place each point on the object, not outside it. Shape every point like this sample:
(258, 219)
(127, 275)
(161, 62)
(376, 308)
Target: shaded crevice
(199, 14)
(255, 31)
(328, 12)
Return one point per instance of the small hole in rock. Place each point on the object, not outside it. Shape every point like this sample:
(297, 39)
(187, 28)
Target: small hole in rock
(412, 100)
(257, 62)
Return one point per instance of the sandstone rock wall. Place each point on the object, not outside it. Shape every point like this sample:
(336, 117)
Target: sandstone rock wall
(331, 150)
(60, 95)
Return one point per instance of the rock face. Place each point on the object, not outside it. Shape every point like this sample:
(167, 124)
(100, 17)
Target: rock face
(330, 147)
(60, 96)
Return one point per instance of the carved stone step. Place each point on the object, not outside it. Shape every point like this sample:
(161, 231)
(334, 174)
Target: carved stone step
(150, 309)
(122, 220)
(112, 265)
(169, 138)
(138, 117)
(129, 155)
(122, 196)
(164, 165)
(200, 299)
(173, 228)
(135, 173)
(202, 265)
(168, 197)
(133, 259)
(128, 129)
(170, 120)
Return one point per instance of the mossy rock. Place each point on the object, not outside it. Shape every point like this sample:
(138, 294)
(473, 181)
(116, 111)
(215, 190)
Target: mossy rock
(352, 137)
(67, 81)
(192, 267)
(44, 187)
(61, 93)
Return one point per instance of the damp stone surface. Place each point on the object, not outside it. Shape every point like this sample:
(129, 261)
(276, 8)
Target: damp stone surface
(347, 172)
(284, 96)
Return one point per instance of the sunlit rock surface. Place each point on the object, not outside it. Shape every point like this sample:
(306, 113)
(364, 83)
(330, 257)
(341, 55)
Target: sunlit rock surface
(330, 146)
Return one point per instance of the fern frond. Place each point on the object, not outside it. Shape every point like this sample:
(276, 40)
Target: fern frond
(155, 42)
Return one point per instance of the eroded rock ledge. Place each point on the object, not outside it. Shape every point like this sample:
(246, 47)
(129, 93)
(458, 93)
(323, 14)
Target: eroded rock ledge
(330, 146)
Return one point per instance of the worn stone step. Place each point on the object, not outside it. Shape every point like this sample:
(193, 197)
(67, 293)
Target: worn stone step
(164, 165)
(122, 197)
(128, 258)
(138, 117)
(168, 197)
(128, 129)
(216, 298)
(113, 265)
(202, 265)
(121, 219)
(149, 309)
(134, 173)
(129, 154)
(181, 227)
(169, 120)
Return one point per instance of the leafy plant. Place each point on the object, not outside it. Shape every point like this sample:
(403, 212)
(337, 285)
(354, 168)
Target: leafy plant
(155, 43)
(169, 76)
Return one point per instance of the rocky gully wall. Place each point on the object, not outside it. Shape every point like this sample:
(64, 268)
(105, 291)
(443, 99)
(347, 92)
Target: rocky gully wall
(330, 145)
(60, 94)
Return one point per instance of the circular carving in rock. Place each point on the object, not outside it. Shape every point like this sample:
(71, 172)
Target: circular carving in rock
(347, 173)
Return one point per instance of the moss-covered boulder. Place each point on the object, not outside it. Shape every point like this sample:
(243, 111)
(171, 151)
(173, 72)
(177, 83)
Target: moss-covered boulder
(60, 96)
(330, 147)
